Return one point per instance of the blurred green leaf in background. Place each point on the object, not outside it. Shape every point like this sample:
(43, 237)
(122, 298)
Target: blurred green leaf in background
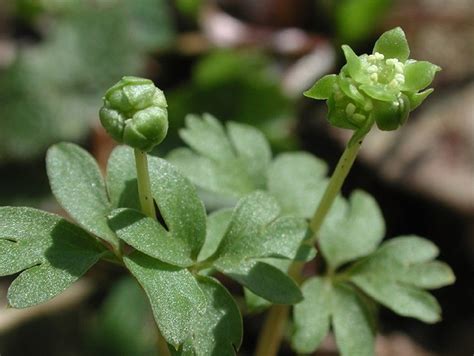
(238, 86)
(356, 20)
(124, 325)
(52, 90)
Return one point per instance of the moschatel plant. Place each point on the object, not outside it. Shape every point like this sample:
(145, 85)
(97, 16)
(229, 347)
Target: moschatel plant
(268, 215)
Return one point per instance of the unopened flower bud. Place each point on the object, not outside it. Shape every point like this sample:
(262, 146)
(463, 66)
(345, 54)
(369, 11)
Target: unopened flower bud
(134, 113)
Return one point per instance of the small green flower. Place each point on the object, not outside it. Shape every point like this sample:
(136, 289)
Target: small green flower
(383, 86)
(134, 113)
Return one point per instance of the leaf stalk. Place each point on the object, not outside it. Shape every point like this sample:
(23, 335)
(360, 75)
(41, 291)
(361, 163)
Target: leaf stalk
(274, 326)
(144, 186)
(148, 208)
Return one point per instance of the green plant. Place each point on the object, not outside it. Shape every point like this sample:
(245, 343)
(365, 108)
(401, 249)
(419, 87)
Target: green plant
(262, 234)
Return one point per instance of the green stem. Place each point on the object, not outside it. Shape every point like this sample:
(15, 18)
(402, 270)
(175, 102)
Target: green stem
(272, 332)
(275, 324)
(144, 187)
(162, 345)
(334, 187)
(148, 208)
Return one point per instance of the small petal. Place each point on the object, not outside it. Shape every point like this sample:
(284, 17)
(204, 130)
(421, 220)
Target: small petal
(380, 92)
(323, 88)
(393, 44)
(419, 74)
(417, 98)
(351, 90)
(354, 64)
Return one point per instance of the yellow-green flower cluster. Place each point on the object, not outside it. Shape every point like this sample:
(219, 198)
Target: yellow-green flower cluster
(383, 86)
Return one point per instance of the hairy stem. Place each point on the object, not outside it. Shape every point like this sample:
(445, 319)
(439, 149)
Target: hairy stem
(144, 187)
(273, 329)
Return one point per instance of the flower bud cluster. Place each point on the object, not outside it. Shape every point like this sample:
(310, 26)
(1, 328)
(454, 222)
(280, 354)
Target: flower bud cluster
(134, 113)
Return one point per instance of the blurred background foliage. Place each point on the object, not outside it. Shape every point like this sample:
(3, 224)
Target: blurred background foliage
(246, 61)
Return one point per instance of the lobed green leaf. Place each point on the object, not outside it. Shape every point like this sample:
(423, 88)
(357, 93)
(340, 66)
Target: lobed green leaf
(410, 249)
(217, 224)
(231, 163)
(257, 230)
(429, 275)
(78, 186)
(265, 280)
(218, 332)
(122, 179)
(150, 237)
(297, 180)
(339, 304)
(312, 315)
(349, 311)
(175, 296)
(403, 299)
(256, 303)
(396, 272)
(353, 230)
(182, 211)
(50, 253)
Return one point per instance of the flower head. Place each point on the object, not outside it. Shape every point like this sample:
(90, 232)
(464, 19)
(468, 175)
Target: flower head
(383, 86)
(134, 113)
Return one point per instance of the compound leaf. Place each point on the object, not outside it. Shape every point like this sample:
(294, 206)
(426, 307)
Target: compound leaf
(51, 252)
(176, 299)
(230, 163)
(78, 186)
(326, 302)
(395, 274)
(226, 165)
(257, 231)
